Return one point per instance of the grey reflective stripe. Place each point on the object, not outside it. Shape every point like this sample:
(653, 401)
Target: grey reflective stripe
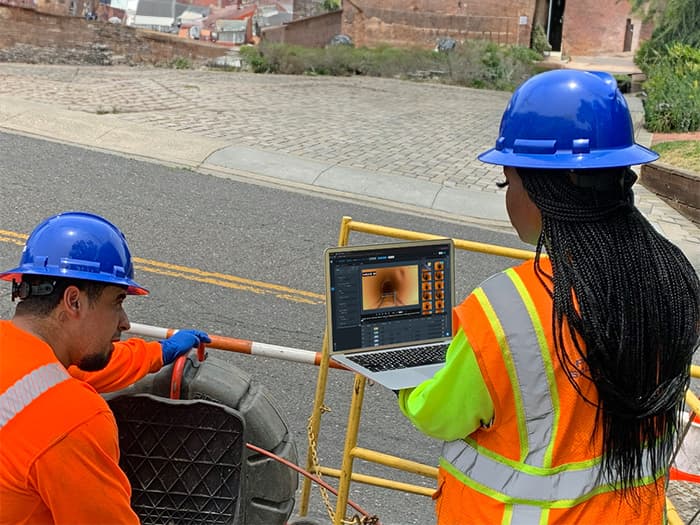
(529, 365)
(27, 389)
(526, 515)
(515, 484)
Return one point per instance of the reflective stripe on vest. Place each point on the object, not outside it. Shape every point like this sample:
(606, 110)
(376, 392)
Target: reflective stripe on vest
(531, 481)
(27, 389)
(526, 347)
(508, 483)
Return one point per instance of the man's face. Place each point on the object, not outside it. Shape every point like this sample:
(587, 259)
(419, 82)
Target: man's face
(103, 322)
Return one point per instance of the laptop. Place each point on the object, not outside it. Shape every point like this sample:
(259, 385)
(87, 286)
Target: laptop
(389, 309)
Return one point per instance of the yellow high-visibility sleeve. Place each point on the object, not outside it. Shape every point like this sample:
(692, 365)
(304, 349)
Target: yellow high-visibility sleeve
(455, 401)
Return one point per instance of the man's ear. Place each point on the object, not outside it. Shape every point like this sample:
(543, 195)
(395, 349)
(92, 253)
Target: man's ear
(71, 298)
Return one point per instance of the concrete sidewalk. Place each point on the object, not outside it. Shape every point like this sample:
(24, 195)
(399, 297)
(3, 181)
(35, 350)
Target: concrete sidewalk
(400, 144)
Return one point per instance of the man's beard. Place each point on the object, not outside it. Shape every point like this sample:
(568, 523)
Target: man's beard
(95, 362)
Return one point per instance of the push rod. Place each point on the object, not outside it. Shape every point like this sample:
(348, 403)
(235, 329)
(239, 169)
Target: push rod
(241, 346)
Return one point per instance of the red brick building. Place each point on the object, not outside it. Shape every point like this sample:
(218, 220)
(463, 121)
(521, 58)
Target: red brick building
(574, 27)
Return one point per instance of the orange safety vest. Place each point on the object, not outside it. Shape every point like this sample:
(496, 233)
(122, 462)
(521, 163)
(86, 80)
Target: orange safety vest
(46, 415)
(539, 460)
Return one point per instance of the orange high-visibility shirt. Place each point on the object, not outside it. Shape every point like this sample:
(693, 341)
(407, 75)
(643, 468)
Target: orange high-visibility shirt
(59, 447)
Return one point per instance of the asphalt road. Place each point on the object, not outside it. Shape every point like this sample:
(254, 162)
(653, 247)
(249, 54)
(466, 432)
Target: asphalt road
(261, 235)
(212, 250)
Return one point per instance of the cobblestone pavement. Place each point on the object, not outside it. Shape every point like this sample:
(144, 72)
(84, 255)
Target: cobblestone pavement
(422, 131)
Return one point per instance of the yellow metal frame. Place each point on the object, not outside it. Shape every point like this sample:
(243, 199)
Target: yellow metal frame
(351, 451)
(694, 405)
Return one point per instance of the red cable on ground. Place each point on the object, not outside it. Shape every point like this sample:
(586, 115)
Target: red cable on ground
(313, 478)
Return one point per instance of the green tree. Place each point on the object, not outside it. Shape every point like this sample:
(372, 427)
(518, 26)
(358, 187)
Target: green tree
(675, 21)
(330, 5)
(651, 9)
(671, 62)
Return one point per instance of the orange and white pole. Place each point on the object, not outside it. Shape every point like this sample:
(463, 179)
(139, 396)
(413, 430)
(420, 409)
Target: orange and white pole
(240, 346)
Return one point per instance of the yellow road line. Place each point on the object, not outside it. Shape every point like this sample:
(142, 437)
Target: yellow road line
(12, 237)
(203, 276)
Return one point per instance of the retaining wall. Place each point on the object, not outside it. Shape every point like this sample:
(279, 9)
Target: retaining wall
(32, 37)
(678, 187)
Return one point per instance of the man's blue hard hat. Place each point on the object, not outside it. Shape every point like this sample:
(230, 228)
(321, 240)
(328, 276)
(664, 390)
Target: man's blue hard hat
(567, 119)
(78, 245)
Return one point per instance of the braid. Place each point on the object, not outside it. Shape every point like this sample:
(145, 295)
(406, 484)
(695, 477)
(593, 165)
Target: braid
(630, 302)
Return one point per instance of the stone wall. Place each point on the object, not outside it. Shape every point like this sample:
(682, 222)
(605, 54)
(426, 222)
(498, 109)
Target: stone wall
(33, 37)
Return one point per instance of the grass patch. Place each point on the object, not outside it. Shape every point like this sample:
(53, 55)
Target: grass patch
(680, 153)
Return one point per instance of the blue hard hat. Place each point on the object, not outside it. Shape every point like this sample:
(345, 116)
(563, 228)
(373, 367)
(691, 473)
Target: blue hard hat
(78, 245)
(567, 119)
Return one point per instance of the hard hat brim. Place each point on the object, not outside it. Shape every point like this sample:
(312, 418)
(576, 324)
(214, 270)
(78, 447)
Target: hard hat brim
(132, 287)
(630, 156)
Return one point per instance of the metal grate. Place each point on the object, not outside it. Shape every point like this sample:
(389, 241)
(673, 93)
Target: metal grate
(182, 457)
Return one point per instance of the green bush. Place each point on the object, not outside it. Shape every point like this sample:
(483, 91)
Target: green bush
(394, 62)
(483, 64)
(288, 60)
(539, 41)
(254, 59)
(472, 63)
(180, 63)
(673, 91)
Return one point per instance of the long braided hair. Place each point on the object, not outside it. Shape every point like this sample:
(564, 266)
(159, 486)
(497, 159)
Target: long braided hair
(630, 302)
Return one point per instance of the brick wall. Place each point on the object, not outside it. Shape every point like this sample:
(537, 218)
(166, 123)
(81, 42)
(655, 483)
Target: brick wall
(594, 27)
(29, 4)
(33, 37)
(423, 22)
(590, 27)
(315, 31)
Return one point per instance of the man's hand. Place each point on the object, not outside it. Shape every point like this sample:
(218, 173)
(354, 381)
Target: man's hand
(181, 342)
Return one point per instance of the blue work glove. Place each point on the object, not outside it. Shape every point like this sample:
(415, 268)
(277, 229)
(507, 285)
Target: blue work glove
(182, 342)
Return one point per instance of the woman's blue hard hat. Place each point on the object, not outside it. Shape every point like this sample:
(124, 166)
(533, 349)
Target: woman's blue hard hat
(567, 119)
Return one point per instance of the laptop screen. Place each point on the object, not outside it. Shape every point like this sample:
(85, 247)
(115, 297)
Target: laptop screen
(389, 295)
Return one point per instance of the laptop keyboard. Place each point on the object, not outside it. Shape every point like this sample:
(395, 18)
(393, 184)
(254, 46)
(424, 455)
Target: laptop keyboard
(402, 358)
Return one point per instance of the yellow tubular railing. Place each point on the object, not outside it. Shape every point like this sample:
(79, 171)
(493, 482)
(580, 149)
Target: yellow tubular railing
(693, 402)
(460, 244)
(672, 516)
(694, 405)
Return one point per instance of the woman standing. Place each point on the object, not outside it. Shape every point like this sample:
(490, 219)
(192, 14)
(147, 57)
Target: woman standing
(560, 400)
